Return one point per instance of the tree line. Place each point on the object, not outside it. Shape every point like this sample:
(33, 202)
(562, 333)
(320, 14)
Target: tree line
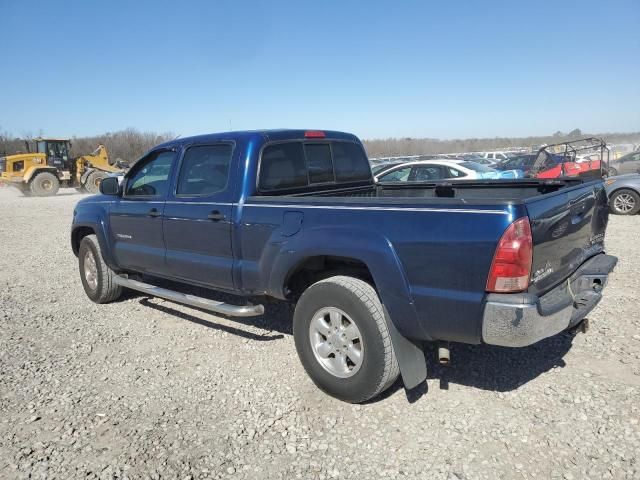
(391, 147)
(130, 144)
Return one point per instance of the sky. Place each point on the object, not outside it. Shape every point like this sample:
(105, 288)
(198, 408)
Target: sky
(438, 69)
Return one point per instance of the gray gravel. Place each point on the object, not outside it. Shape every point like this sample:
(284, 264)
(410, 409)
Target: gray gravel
(144, 388)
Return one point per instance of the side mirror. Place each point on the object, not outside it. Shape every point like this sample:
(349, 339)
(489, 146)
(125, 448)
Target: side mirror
(110, 186)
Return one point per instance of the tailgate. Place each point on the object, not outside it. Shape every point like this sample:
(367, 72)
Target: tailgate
(568, 227)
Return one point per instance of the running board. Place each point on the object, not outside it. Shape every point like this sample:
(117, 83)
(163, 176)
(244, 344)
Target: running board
(192, 300)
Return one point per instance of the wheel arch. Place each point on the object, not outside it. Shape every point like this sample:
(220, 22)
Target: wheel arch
(366, 255)
(32, 172)
(623, 187)
(83, 229)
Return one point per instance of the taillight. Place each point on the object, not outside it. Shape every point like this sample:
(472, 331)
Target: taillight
(511, 266)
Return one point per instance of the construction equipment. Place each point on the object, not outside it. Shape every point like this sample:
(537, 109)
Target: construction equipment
(49, 166)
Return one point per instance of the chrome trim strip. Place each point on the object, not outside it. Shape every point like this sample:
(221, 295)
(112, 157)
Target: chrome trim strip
(402, 209)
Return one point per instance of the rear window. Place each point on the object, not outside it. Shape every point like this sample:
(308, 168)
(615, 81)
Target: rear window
(319, 162)
(350, 162)
(283, 166)
(295, 165)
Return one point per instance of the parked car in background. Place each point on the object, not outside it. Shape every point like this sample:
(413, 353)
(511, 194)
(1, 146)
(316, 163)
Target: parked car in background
(624, 194)
(487, 162)
(495, 155)
(629, 163)
(523, 163)
(442, 169)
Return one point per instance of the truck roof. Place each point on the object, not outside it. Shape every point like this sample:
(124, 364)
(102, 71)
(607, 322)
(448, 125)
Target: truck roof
(268, 135)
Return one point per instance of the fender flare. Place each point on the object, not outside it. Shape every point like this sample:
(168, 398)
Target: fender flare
(31, 172)
(95, 219)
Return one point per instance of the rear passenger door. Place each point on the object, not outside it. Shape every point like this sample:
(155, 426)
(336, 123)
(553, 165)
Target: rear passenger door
(197, 218)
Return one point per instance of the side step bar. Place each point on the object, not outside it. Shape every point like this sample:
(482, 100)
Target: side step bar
(192, 300)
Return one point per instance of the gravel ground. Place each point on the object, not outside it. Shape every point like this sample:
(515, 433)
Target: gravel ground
(145, 388)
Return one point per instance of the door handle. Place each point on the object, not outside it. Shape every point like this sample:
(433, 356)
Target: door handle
(216, 216)
(154, 212)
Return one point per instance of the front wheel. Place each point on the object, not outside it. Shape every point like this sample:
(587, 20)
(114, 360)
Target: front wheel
(342, 339)
(624, 202)
(612, 172)
(44, 184)
(97, 277)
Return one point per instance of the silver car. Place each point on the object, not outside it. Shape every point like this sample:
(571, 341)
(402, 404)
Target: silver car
(624, 194)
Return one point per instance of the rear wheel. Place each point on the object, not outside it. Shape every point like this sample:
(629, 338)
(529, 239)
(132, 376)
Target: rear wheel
(93, 181)
(44, 184)
(612, 172)
(97, 277)
(625, 202)
(342, 339)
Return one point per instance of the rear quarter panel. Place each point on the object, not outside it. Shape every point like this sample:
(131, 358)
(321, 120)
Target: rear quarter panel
(429, 263)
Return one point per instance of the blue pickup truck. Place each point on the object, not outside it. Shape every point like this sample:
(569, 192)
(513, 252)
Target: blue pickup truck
(374, 270)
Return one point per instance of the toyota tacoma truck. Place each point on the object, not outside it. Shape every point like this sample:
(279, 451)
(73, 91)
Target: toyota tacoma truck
(374, 270)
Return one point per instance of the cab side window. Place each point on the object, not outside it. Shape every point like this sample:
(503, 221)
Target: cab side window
(204, 170)
(151, 178)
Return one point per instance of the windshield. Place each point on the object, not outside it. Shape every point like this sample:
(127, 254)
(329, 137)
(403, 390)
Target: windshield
(56, 150)
(476, 167)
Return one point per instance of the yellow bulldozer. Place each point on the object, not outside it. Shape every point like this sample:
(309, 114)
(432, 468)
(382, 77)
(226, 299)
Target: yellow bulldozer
(48, 165)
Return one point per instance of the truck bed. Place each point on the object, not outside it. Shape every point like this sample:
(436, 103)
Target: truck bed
(443, 236)
(464, 191)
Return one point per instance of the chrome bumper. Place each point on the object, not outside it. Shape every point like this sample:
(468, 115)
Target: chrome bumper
(521, 319)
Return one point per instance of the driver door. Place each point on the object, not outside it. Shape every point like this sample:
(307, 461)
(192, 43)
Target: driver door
(136, 217)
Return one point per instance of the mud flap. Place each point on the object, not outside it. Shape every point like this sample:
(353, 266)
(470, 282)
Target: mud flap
(410, 356)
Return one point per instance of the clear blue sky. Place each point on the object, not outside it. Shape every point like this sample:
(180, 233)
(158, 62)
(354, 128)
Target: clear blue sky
(406, 68)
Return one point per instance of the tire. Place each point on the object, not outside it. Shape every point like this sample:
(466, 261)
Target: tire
(341, 301)
(44, 184)
(92, 185)
(624, 202)
(97, 278)
(612, 172)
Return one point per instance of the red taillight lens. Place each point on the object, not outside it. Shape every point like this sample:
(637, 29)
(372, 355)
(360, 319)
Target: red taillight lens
(511, 266)
(314, 134)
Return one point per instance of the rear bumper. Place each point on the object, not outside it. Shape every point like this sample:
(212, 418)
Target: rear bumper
(521, 319)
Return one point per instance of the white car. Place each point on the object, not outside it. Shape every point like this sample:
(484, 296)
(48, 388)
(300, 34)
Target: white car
(497, 156)
(429, 170)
